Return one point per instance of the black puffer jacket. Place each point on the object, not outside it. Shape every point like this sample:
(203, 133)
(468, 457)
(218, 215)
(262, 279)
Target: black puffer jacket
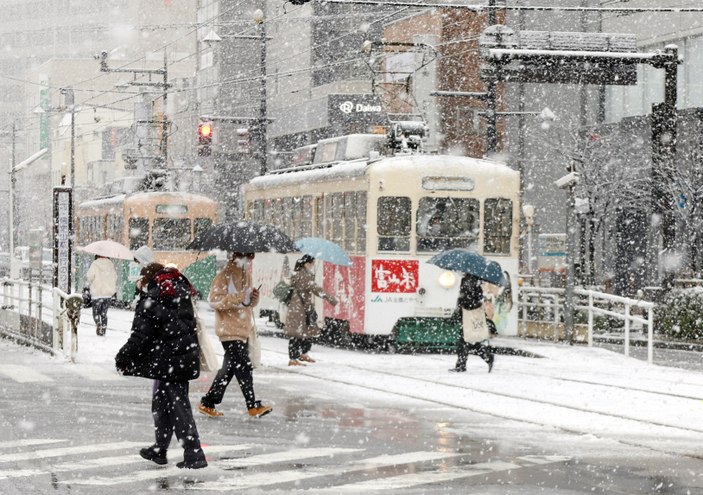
(163, 344)
(470, 293)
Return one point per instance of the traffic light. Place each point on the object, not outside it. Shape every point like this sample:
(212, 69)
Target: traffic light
(243, 140)
(204, 138)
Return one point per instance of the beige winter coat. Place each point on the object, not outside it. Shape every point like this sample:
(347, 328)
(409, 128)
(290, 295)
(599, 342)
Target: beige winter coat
(233, 320)
(102, 278)
(304, 286)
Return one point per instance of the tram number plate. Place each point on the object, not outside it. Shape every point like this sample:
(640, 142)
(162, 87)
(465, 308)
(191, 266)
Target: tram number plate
(400, 276)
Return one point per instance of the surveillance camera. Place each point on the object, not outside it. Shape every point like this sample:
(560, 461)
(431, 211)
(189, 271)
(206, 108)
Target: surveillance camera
(570, 179)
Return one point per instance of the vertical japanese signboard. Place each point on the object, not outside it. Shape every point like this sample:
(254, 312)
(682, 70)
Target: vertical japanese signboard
(63, 230)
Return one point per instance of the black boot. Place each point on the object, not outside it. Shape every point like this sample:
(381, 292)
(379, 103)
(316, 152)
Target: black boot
(490, 362)
(193, 461)
(154, 454)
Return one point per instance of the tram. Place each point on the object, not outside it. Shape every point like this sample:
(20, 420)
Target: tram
(164, 221)
(390, 214)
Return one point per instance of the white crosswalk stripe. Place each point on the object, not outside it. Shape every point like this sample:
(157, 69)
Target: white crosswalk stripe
(102, 462)
(415, 479)
(29, 442)
(23, 374)
(60, 452)
(96, 373)
(264, 478)
(226, 475)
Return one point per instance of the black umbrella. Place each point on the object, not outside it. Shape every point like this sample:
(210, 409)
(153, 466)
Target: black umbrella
(243, 237)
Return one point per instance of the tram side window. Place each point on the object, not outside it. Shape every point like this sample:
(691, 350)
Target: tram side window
(319, 217)
(138, 232)
(445, 223)
(170, 234)
(498, 225)
(306, 216)
(114, 227)
(361, 222)
(200, 225)
(349, 222)
(394, 223)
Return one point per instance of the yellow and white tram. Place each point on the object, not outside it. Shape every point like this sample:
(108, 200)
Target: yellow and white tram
(164, 221)
(391, 214)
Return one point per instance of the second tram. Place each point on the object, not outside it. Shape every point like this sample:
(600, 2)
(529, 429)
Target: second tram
(164, 221)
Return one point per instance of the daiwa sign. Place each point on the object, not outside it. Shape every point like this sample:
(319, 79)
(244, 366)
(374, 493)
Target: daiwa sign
(349, 107)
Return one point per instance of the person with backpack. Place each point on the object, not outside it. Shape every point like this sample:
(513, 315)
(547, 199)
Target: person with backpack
(233, 297)
(301, 320)
(164, 346)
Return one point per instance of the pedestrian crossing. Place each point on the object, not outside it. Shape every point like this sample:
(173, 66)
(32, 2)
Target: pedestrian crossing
(247, 466)
(26, 374)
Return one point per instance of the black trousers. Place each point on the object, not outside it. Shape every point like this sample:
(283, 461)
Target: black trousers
(298, 346)
(463, 349)
(236, 363)
(100, 307)
(172, 413)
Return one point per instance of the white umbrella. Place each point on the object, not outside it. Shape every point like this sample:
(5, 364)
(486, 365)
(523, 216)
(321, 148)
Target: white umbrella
(108, 249)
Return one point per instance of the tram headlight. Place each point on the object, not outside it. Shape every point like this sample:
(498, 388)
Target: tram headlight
(447, 279)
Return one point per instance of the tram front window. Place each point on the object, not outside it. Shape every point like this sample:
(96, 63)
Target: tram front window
(445, 223)
(138, 232)
(170, 234)
(394, 223)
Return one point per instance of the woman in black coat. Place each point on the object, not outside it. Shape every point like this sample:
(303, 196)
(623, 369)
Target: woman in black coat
(475, 326)
(163, 346)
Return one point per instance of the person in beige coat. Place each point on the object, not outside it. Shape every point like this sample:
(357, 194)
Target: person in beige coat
(233, 298)
(102, 280)
(301, 320)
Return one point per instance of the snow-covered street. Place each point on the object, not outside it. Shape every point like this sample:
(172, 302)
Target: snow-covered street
(575, 420)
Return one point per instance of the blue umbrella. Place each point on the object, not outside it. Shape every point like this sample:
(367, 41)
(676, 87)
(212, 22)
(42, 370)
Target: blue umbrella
(465, 261)
(323, 249)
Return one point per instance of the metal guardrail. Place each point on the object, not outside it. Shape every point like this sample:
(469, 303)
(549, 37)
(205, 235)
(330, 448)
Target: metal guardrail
(42, 316)
(546, 304)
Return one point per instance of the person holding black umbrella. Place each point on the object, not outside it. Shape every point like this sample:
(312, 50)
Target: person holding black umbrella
(233, 297)
(475, 325)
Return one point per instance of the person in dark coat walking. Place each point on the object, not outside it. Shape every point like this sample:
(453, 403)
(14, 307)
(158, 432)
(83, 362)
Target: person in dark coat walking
(301, 319)
(475, 325)
(164, 346)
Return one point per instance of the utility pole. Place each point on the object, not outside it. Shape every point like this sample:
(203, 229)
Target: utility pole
(164, 84)
(491, 96)
(261, 131)
(13, 182)
(664, 135)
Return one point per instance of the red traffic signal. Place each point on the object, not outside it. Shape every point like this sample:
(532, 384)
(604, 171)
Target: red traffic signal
(205, 130)
(204, 138)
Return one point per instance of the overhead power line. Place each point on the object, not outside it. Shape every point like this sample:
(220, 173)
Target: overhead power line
(553, 8)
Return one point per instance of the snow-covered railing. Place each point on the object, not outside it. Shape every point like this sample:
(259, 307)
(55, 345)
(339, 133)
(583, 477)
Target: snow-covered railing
(546, 304)
(594, 298)
(22, 310)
